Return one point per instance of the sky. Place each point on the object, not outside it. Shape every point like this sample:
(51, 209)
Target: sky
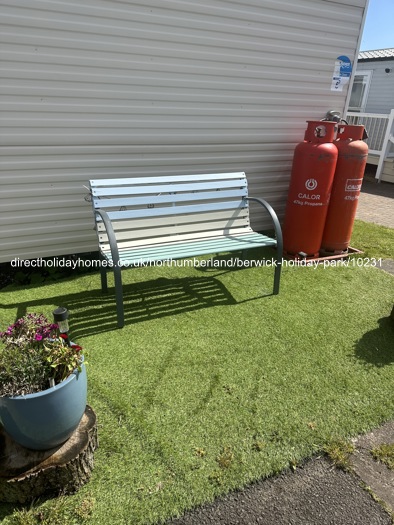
(379, 26)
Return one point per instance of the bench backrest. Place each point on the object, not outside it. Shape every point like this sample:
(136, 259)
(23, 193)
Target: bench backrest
(145, 210)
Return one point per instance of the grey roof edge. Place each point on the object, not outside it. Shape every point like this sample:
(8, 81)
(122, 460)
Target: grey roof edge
(377, 54)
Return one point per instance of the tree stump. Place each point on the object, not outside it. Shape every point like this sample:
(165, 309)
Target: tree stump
(26, 474)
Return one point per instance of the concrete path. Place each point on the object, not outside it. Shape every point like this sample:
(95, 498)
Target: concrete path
(376, 203)
(374, 473)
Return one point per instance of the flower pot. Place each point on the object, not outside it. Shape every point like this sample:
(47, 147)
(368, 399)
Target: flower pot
(46, 419)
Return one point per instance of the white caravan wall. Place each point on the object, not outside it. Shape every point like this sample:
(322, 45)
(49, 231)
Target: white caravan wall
(103, 88)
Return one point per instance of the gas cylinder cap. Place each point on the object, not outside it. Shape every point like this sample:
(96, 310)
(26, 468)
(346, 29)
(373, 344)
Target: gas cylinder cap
(333, 116)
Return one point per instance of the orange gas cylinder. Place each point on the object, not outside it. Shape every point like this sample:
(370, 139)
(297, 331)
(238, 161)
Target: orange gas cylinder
(309, 193)
(348, 178)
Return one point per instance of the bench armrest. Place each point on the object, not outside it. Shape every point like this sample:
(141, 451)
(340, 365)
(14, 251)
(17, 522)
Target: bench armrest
(277, 227)
(111, 236)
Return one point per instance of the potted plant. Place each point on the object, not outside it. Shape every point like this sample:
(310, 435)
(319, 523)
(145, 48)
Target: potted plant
(43, 384)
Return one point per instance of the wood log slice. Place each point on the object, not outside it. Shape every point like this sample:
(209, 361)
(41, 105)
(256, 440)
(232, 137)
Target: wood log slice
(26, 474)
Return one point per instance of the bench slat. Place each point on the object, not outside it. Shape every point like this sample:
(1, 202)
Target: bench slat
(224, 217)
(173, 236)
(176, 210)
(167, 188)
(97, 183)
(154, 200)
(160, 232)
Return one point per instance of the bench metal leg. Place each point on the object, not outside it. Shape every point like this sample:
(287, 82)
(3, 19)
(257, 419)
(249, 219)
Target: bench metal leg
(278, 269)
(279, 259)
(119, 295)
(103, 275)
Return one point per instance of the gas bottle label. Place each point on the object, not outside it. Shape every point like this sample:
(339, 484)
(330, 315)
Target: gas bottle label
(309, 199)
(353, 184)
(311, 184)
(309, 196)
(306, 199)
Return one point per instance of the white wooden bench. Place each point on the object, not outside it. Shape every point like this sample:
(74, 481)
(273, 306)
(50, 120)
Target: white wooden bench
(148, 219)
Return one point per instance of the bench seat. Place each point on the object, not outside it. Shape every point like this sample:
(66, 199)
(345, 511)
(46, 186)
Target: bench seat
(145, 220)
(182, 249)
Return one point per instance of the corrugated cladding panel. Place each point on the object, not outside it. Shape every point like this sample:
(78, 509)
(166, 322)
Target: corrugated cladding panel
(116, 88)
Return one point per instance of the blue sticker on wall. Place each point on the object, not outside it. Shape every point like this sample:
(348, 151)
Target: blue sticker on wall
(342, 73)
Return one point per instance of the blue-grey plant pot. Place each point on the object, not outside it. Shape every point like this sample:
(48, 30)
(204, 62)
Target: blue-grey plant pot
(46, 419)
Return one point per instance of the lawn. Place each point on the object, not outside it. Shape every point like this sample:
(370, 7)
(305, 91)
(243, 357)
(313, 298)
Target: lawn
(213, 382)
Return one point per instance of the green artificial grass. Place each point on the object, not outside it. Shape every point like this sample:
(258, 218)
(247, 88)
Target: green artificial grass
(213, 382)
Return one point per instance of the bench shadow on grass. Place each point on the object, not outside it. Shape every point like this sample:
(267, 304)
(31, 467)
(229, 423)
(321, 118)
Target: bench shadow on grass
(93, 312)
(376, 346)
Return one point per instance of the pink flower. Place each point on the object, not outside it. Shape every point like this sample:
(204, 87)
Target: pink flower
(38, 337)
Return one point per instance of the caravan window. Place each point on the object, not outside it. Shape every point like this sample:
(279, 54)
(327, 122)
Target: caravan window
(359, 96)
